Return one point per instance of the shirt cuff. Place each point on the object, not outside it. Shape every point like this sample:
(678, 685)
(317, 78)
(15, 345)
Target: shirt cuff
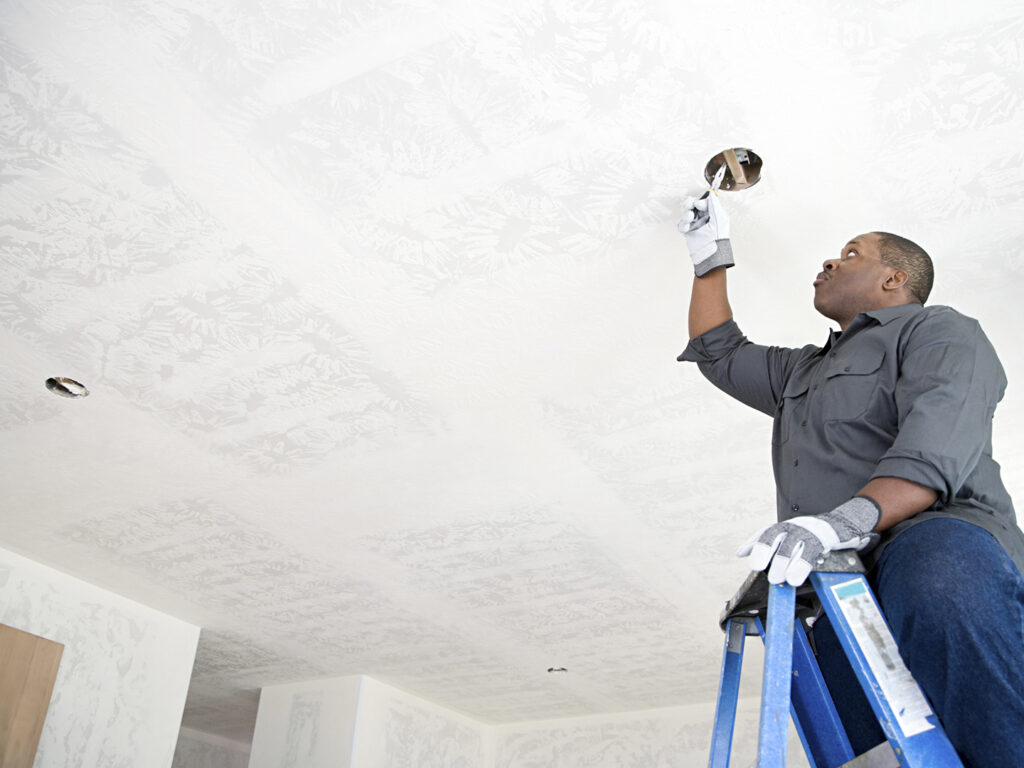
(916, 471)
(713, 344)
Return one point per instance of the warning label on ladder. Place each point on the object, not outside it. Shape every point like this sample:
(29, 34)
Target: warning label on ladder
(909, 706)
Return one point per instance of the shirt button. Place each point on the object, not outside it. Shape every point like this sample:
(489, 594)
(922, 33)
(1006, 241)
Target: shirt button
(795, 507)
(796, 462)
(815, 386)
(803, 423)
(847, 369)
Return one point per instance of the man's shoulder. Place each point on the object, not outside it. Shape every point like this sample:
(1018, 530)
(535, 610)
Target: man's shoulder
(936, 324)
(937, 317)
(942, 310)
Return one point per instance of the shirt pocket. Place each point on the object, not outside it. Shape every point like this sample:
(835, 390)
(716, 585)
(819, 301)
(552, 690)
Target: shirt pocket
(792, 408)
(850, 384)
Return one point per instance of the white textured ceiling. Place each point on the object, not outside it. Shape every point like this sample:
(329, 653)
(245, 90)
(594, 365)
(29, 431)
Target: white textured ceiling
(379, 304)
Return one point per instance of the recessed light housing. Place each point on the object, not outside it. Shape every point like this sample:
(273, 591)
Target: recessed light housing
(744, 168)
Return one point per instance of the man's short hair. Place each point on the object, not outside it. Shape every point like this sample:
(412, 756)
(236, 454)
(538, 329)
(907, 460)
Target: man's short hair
(907, 256)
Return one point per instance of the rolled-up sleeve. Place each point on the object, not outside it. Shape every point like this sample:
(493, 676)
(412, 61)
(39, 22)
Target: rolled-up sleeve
(751, 373)
(950, 382)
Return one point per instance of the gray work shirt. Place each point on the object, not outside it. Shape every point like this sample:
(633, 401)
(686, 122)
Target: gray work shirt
(904, 392)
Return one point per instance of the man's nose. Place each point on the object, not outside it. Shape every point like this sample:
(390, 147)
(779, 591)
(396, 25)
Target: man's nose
(830, 264)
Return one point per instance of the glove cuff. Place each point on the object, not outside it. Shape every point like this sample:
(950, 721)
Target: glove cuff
(722, 257)
(862, 509)
(856, 519)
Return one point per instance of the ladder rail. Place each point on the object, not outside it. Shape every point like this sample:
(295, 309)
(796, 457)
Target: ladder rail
(773, 732)
(903, 712)
(814, 713)
(792, 683)
(728, 693)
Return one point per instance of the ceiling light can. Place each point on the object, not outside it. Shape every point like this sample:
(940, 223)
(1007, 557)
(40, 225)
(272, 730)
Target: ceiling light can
(743, 168)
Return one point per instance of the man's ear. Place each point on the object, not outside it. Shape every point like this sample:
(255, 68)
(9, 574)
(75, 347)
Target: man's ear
(895, 281)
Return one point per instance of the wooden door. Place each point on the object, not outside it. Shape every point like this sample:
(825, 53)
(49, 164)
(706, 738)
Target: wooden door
(28, 669)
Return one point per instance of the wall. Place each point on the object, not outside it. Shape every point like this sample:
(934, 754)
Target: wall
(398, 730)
(306, 725)
(362, 723)
(357, 721)
(201, 750)
(672, 737)
(123, 677)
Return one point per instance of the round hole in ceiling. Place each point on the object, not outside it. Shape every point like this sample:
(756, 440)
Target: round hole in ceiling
(65, 387)
(743, 168)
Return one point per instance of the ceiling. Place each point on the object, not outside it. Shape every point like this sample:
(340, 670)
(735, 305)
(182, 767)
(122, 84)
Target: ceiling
(379, 303)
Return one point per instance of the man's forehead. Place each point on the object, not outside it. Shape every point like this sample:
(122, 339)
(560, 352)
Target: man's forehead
(869, 238)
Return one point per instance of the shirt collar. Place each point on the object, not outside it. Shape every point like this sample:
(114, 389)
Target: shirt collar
(881, 316)
(889, 314)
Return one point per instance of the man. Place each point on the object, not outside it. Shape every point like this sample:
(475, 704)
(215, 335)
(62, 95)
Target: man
(882, 443)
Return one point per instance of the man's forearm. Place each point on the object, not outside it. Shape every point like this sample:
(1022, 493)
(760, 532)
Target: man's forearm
(898, 499)
(709, 303)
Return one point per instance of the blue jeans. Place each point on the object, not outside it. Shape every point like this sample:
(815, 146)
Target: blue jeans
(955, 603)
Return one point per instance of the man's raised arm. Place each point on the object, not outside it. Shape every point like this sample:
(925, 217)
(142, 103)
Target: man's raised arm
(706, 227)
(709, 303)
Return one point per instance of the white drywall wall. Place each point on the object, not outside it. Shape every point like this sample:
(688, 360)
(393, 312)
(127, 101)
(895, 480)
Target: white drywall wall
(359, 722)
(203, 750)
(123, 677)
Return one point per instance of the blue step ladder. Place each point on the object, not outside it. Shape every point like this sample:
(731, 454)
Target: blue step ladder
(792, 682)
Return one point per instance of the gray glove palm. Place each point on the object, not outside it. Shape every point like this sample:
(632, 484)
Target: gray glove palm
(792, 546)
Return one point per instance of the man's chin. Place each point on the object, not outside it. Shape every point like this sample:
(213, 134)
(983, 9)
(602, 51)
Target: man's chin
(823, 308)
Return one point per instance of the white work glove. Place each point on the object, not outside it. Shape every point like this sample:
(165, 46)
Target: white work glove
(792, 546)
(706, 227)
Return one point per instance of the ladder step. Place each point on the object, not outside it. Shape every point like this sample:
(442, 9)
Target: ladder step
(881, 756)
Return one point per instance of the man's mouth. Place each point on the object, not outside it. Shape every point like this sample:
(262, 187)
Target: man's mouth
(821, 278)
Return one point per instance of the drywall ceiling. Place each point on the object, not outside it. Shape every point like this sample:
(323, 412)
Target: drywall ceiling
(379, 304)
